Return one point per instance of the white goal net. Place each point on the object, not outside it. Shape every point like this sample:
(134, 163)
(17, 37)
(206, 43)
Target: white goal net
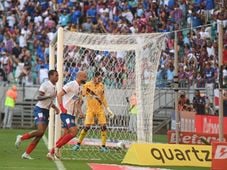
(129, 66)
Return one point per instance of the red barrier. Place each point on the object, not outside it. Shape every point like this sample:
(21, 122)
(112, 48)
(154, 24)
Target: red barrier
(209, 124)
(219, 156)
(192, 137)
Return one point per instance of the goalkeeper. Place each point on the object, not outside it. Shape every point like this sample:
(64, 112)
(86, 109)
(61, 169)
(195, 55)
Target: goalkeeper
(96, 107)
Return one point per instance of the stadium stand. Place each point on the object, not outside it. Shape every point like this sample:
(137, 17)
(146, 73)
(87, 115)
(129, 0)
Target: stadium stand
(27, 27)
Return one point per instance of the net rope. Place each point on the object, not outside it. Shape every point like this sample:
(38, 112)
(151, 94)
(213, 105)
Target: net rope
(129, 64)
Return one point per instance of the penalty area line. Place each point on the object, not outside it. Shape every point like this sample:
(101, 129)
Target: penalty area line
(58, 163)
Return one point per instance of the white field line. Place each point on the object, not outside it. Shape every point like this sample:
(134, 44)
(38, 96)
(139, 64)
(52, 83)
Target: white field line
(59, 164)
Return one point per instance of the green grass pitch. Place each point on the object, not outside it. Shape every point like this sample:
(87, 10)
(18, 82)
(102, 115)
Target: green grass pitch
(10, 157)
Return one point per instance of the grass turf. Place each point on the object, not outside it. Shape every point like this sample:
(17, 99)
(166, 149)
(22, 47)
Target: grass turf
(10, 157)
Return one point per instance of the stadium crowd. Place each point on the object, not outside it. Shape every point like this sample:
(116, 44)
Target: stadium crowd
(27, 27)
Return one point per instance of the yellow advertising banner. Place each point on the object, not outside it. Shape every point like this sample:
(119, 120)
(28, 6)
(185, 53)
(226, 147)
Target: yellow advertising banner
(169, 155)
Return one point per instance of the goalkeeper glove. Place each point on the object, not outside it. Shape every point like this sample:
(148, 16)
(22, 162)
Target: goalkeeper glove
(63, 110)
(110, 113)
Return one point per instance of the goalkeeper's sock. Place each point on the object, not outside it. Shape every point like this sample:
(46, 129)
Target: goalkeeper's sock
(103, 137)
(82, 136)
(31, 147)
(64, 140)
(25, 136)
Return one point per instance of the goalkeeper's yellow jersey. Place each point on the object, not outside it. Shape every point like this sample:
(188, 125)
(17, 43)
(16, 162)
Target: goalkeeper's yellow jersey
(95, 95)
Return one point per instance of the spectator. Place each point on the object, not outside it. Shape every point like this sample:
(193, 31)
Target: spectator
(184, 103)
(6, 65)
(182, 77)
(195, 20)
(42, 71)
(159, 78)
(16, 51)
(199, 103)
(210, 76)
(200, 81)
(64, 18)
(170, 73)
(177, 14)
(3, 78)
(87, 26)
(91, 13)
(11, 96)
(24, 24)
(76, 15)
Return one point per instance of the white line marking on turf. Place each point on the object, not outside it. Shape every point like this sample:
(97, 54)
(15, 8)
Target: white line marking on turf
(59, 164)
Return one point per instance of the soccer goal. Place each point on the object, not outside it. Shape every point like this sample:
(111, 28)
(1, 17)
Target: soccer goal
(129, 65)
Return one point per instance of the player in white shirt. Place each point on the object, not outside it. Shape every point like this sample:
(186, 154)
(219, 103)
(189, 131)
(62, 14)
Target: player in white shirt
(47, 94)
(70, 101)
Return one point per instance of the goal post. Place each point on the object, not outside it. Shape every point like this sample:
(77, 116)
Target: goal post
(55, 62)
(129, 64)
(51, 116)
(60, 61)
